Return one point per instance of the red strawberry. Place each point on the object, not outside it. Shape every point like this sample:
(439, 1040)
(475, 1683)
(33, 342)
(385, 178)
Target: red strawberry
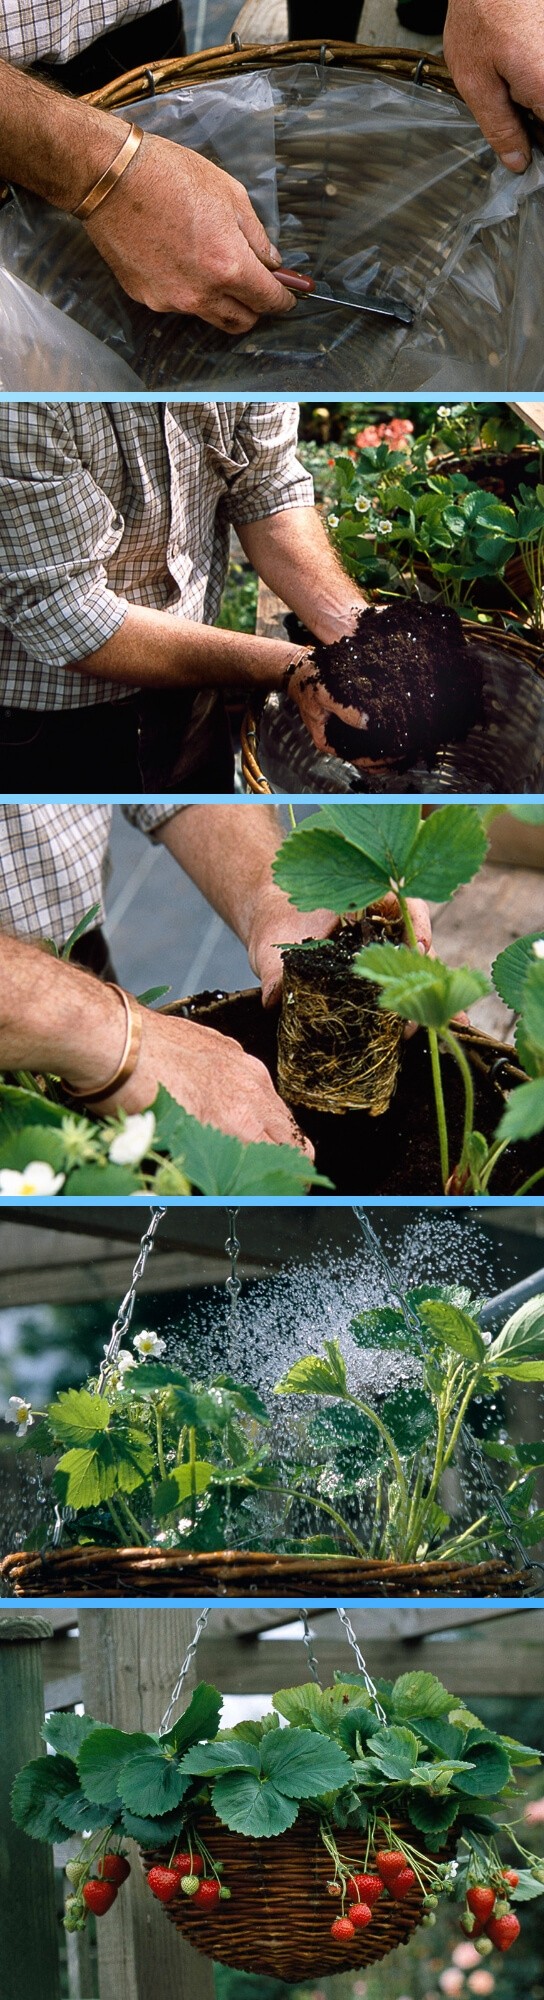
(389, 1863)
(163, 1882)
(402, 1884)
(186, 1864)
(503, 1931)
(510, 1876)
(360, 1915)
(114, 1868)
(99, 1897)
(207, 1895)
(481, 1901)
(365, 1888)
(342, 1929)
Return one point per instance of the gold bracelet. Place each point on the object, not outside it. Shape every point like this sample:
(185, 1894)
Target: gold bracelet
(129, 1057)
(107, 181)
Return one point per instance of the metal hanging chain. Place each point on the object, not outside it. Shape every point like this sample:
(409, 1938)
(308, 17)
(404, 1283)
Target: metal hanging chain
(121, 1325)
(307, 1642)
(200, 1627)
(233, 1284)
(361, 1663)
(471, 1442)
(119, 1330)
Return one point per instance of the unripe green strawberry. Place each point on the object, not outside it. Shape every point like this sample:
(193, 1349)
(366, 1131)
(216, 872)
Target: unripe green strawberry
(468, 1923)
(430, 1902)
(189, 1884)
(224, 1893)
(429, 1919)
(537, 1871)
(484, 1946)
(502, 1907)
(76, 1872)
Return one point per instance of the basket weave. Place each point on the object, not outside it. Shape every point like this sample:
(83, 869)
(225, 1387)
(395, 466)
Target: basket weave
(403, 65)
(279, 1920)
(101, 1572)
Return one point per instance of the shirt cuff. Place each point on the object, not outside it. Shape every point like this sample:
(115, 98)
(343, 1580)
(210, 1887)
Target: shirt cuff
(150, 818)
(275, 498)
(70, 623)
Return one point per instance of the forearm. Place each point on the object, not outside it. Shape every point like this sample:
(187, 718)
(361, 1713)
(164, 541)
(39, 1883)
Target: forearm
(156, 649)
(51, 143)
(228, 851)
(55, 1018)
(292, 553)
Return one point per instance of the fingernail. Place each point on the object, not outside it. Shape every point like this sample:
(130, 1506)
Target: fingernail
(421, 947)
(275, 255)
(517, 162)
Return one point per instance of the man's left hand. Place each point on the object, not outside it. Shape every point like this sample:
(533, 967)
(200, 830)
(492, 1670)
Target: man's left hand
(277, 923)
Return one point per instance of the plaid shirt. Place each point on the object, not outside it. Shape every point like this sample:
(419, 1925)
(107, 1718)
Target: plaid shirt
(53, 863)
(52, 31)
(103, 505)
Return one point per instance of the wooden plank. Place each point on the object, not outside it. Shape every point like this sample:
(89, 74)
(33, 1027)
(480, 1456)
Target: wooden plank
(470, 1670)
(130, 1662)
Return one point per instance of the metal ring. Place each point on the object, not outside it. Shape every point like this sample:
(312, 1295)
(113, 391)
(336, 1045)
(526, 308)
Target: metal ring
(151, 81)
(419, 70)
(235, 42)
(501, 1063)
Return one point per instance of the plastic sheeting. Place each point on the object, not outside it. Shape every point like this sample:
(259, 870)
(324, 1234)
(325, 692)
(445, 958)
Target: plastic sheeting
(41, 348)
(370, 183)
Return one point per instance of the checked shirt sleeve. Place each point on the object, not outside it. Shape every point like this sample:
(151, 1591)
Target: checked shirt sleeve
(57, 531)
(149, 819)
(271, 478)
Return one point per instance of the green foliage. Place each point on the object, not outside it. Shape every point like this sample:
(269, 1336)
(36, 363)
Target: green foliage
(314, 1376)
(419, 989)
(346, 857)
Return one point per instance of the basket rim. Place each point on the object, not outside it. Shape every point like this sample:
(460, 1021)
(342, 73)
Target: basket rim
(235, 58)
(102, 1556)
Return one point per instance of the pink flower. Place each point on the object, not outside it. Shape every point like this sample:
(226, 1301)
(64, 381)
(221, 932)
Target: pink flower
(482, 1981)
(466, 1956)
(452, 1982)
(534, 1812)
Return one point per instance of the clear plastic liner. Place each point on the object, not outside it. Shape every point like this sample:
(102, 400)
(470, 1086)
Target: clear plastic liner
(367, 182)
(41, 348)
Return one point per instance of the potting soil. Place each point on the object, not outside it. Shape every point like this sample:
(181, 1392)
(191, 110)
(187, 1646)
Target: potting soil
(337, 1050)
(416, 682)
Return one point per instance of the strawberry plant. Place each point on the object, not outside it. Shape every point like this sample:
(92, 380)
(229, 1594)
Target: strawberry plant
(404, 1774)
(345, 858)
(397, 1446)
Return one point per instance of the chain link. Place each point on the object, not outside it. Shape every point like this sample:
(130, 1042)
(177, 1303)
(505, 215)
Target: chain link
(200, 1627)
(121, 1325)
(361, 1663)
(307, 1642)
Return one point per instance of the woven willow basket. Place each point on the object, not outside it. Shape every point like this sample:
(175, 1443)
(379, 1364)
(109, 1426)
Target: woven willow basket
(402, 65)
(278, 753)
(101, 1572)
(279, 1919)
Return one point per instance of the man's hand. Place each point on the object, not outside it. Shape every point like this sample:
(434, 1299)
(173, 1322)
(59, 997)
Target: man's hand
(276, 923)
(182, 236)
(212, 1077)
(316, 705)
(495, 51)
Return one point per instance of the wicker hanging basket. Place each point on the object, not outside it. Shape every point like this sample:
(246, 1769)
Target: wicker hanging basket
(101, 1572)
(278, 1922)
(232, 59)
(278, 753)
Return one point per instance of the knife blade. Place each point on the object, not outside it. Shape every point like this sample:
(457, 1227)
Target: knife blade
(371, 302)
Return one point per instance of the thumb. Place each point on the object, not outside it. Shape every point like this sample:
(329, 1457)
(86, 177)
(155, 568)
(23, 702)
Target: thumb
(500, 121)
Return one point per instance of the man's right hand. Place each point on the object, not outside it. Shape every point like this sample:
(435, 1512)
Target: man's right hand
(181, 236)
(212, 1077)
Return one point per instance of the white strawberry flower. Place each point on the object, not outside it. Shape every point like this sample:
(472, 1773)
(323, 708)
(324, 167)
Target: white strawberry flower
(333, 520)
(149, 1344)
(538, 948)
(134, 1140)
(362, 506)
(37, 1178)
(124, 1360)
(22, 1415)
